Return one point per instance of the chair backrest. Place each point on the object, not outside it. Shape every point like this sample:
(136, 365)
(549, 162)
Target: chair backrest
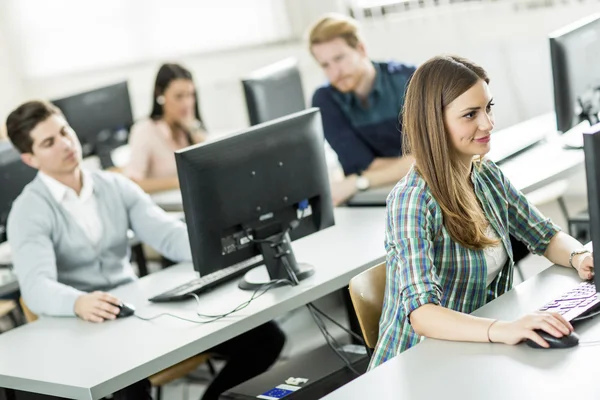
(29, 315)
(366, 291)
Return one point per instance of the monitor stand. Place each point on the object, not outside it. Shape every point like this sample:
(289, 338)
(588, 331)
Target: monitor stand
(258, 277)
(274, 249)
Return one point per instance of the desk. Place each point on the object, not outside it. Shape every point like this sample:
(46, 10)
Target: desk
(5, 255)
(169, 200)
(8, 282)
(436, 369)
(71, 358)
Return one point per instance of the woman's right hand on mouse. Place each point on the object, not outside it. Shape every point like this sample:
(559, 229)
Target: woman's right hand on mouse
(513, 332)
(97, 306)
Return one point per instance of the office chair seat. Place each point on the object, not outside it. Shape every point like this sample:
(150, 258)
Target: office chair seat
(367, 290)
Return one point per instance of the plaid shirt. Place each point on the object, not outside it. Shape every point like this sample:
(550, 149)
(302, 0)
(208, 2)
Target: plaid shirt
(424, 264)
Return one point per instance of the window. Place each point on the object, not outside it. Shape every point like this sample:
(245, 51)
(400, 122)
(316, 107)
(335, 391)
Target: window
(67, 36)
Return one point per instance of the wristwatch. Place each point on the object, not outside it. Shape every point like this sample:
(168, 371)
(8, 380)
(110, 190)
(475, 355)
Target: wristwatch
(575, 253)
(362, 183)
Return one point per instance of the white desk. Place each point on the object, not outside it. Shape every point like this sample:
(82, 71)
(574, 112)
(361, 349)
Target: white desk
(5, 254)
(71, 358)
(8, 282)
(436, 369)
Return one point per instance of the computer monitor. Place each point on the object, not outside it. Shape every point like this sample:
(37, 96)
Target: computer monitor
(101, 118)
(274, 91)
(591, 149)
(242, 194)
(14, 176)
(575, 56)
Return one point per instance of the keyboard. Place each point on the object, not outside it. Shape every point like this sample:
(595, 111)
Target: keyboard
(207, 282)
(578, 303)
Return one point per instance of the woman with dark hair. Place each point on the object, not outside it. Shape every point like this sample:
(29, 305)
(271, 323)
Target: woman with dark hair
(174, 123)
(449, 220)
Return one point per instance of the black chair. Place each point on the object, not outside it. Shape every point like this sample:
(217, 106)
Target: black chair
(520, 251)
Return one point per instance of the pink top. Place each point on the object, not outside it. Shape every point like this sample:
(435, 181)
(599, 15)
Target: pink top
(153, 150)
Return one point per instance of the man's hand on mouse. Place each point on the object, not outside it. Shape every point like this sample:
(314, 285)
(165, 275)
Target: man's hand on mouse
(524, 328)
(584, 264)
(97, 306)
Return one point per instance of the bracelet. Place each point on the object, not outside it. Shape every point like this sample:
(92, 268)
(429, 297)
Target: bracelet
(575, 253)
(488, 330)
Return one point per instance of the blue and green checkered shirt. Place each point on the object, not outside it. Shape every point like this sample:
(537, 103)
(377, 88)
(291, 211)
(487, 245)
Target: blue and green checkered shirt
(425, 265)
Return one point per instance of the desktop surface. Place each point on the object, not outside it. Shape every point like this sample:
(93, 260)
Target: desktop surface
(98, 359)
(465, 371)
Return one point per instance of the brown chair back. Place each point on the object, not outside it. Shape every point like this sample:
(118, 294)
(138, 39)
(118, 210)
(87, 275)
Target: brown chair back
(29, 315)
(366, 291)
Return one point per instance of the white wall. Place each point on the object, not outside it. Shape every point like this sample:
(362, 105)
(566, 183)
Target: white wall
(511, 46)
(11, 89)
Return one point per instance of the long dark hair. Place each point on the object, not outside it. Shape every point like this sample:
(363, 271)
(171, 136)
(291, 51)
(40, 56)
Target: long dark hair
(167, 73)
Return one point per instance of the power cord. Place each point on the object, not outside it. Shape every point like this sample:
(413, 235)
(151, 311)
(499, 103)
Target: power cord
(331, 341)
(212, 318)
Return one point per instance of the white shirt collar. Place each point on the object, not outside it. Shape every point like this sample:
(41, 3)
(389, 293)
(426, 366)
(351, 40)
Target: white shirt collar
(60, 191)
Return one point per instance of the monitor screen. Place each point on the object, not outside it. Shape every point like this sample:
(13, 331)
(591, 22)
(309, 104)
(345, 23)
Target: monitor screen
(274, 91)
(101, 118)
(14, 176)
(591, 148)
(575, 56)
(254, 185)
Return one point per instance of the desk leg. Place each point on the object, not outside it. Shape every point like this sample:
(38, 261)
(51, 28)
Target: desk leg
(140, 259)
(352, 318)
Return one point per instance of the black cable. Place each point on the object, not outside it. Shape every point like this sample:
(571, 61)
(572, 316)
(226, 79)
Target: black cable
(265, 288)
(331, 341)
(348, 331)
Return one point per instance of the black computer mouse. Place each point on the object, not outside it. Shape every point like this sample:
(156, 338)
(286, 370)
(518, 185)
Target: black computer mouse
(127, 310)
(570, 340)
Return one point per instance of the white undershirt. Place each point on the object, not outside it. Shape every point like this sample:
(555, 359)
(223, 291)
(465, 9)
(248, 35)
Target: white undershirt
(83, 208)
(495, 256)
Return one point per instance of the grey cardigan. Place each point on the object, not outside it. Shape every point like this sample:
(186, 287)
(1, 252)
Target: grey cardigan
(53, 258)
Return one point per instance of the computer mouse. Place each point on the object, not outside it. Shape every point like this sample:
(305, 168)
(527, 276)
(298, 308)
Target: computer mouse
(127, 310)
(570, 340)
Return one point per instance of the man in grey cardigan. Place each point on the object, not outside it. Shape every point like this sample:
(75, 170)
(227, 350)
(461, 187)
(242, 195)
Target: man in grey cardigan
(68, 235)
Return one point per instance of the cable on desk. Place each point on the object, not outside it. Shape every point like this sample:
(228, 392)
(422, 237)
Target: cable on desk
(212, 318)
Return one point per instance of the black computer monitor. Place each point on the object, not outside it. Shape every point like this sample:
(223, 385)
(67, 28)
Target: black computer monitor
(14, 175)
(101, 118)
(575, 55)
(274, 91)
(243, 192)
(591, 149)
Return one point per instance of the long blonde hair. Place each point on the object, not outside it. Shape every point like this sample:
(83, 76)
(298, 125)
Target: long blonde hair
(433, 86)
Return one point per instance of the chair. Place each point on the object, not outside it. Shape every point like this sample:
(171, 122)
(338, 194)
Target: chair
(7, 309)
(366, 291)
(161, 378)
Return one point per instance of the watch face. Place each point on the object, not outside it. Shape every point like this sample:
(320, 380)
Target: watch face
(362, 183)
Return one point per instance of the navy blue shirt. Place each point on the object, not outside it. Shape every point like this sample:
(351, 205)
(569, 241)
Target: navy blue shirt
(359, 132)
